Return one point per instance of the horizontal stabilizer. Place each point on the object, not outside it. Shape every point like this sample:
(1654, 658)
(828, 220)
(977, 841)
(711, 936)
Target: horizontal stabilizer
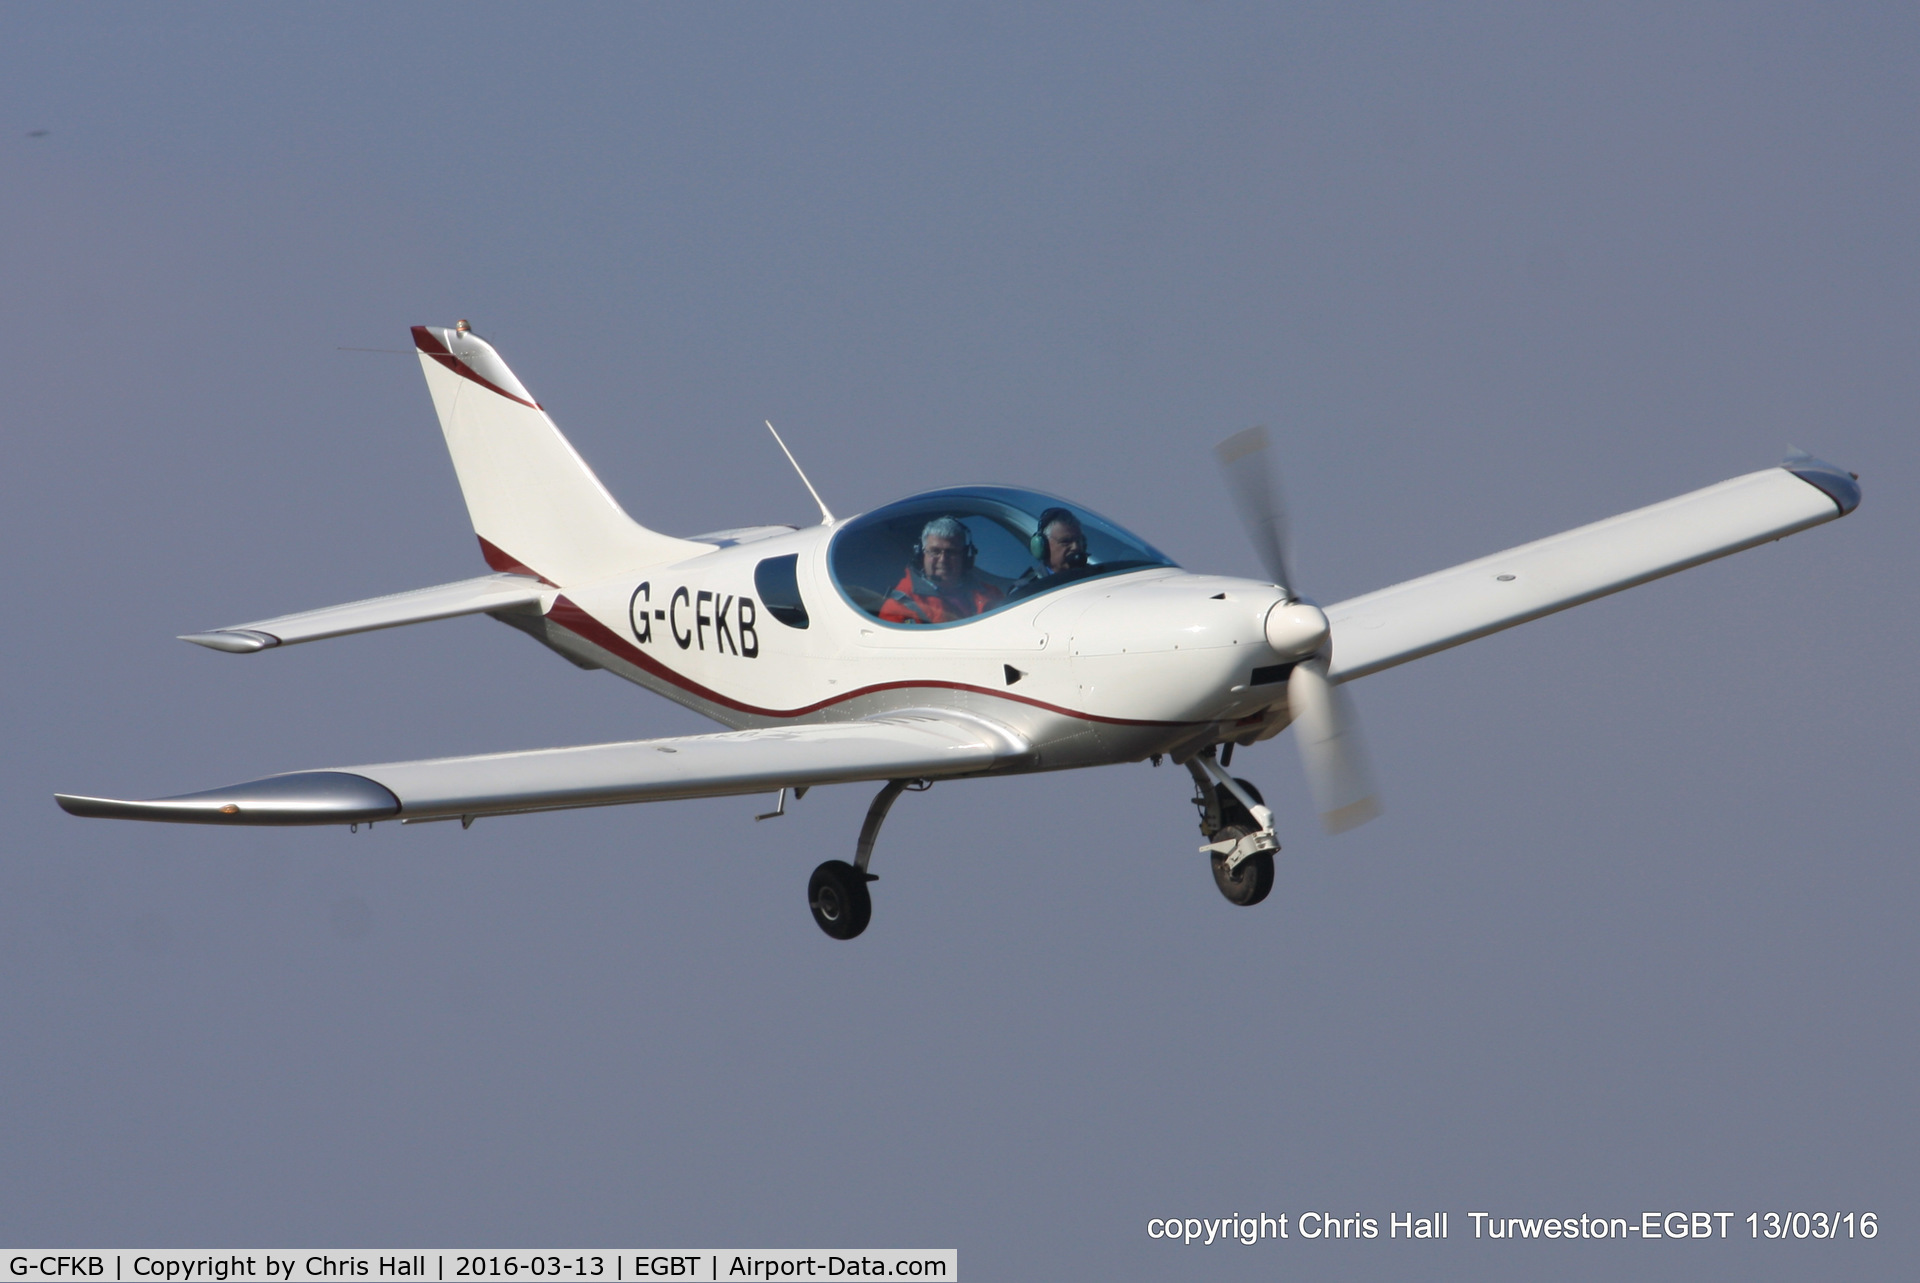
(443, 601)
(1429, 614)
(903, 745)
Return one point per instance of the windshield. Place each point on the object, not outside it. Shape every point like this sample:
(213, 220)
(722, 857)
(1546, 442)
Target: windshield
(953, 555)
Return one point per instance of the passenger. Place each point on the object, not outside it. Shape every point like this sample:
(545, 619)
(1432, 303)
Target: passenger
(941, 585)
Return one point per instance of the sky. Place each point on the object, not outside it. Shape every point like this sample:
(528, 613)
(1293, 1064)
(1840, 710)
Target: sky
(1634, 933)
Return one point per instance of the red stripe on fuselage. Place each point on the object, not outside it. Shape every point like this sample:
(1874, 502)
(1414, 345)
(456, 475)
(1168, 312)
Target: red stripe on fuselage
(430, 345)
(571, 617)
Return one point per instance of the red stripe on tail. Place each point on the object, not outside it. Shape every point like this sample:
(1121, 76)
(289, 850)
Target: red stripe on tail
(507, 564)
(429, 344)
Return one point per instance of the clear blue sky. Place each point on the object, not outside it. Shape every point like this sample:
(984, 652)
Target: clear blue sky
(1635, 932)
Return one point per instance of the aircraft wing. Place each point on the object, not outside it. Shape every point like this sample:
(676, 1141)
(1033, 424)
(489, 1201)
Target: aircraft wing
(443, 601)
(1421, 616)
(909, 744)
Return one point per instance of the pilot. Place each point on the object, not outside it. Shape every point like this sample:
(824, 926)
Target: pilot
(1060, 546)
(940, 586)
(1059, 542)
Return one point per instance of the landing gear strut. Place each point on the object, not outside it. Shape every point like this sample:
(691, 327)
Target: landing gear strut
(1239, 831)
(837, 891)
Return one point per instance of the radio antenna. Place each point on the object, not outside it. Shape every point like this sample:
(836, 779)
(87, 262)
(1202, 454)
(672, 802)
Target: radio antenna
(826, 517)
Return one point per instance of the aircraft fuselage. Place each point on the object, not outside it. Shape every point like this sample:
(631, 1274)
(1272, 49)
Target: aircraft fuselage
(1107, 670)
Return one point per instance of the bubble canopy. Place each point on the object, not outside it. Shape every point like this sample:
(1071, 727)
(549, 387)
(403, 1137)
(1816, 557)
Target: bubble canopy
(989, 552)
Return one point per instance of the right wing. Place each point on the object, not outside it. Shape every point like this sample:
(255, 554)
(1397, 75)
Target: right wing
(1452, 606)
(909, 744)
(442, 601)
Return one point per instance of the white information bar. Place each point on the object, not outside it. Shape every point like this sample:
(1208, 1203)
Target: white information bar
(443, 1265)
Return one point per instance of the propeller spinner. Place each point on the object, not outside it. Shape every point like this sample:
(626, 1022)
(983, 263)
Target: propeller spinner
(1325, 726)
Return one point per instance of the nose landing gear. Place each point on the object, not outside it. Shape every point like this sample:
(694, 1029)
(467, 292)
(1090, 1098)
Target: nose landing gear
(1247, 883)
(1239, 832)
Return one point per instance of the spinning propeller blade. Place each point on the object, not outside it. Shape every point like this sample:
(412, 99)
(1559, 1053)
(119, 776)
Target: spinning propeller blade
(1329, 737)
(1323, 719)
(1243, 458)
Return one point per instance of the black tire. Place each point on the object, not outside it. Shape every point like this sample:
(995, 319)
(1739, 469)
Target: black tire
(1231, 811)
(1248, 884)
(837, 894)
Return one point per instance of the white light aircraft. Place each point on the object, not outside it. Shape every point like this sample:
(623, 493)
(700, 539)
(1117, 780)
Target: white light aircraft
(984, 630)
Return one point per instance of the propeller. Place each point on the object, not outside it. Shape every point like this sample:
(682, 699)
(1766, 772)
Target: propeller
(1243, 458)
(1324, 723)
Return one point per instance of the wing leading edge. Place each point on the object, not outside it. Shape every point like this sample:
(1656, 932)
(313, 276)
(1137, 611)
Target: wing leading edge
(1421, 616)
(902, 745)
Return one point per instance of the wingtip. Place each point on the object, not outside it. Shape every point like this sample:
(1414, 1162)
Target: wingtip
(304, 797)
(235, 641)
(86, 807)
(1835, 482)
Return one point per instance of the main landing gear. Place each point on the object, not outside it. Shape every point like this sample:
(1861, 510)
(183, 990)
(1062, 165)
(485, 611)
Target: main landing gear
(837, 891)
(1239, 831)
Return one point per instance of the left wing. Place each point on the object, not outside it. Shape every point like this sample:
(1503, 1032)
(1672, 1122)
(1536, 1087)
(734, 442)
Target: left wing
(909, 744)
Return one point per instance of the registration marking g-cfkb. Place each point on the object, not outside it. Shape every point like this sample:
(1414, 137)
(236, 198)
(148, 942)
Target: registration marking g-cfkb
(690, 616)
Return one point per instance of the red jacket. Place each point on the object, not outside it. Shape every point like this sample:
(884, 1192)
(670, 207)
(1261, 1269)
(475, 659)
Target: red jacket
(918, 600)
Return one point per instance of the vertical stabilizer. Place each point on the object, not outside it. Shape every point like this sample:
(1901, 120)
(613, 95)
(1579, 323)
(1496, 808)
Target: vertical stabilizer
(536, 506)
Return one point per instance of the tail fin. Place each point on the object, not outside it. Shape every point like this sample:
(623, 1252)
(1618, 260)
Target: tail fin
(536, 506)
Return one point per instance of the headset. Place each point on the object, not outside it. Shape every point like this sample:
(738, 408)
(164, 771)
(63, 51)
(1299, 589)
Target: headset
(968, 553)
(1037, 545)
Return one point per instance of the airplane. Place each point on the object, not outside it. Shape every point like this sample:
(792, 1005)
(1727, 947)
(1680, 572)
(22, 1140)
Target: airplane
(966, 632)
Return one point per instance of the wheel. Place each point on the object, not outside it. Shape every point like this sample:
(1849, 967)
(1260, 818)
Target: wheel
(1248, 884)
(1231, 811)
(837, 894)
